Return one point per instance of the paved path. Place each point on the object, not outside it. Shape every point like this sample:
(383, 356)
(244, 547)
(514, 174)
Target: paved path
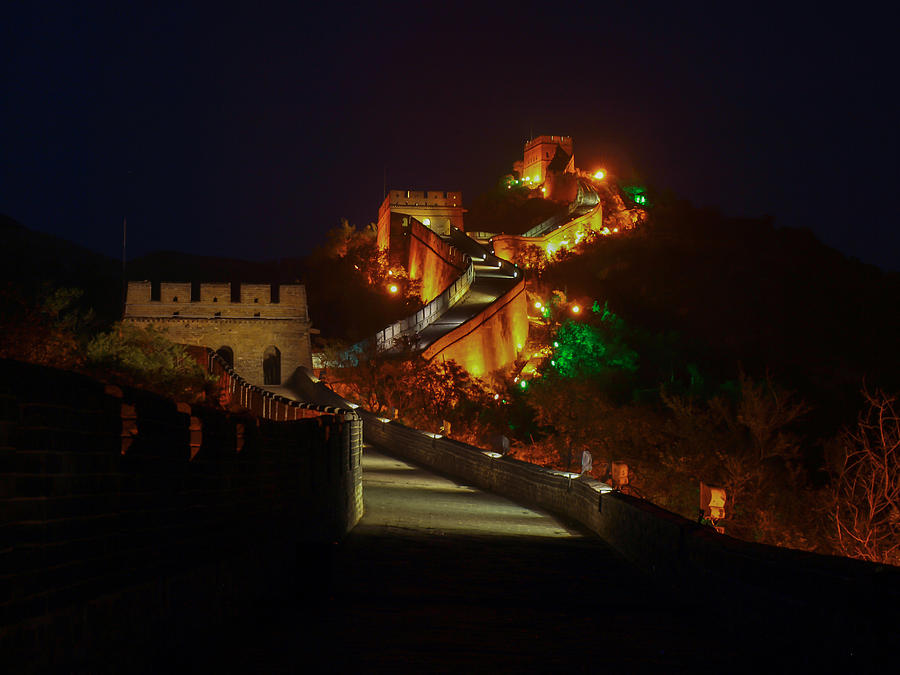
(442, 577)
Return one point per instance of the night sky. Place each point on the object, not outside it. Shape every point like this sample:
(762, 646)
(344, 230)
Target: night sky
(249, 132)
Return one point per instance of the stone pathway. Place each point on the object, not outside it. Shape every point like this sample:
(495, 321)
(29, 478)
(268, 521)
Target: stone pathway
(442, 577)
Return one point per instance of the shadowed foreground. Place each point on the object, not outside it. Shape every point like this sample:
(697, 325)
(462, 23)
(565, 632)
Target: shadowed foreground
(440, 577)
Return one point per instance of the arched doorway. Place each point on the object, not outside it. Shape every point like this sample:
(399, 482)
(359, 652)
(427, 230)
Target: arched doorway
(226, 353)
(272, 365)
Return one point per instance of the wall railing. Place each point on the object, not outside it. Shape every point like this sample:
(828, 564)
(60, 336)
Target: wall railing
(235, 390)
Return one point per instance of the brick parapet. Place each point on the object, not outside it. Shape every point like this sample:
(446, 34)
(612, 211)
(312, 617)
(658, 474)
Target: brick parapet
(120, 522)
(670, 548)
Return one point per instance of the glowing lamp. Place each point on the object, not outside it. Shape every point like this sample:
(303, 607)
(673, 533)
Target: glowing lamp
(619, 474)
(537, 305)
(523, 384)
(575, 309)
(712, 501)
(393, 288)
(600, 175)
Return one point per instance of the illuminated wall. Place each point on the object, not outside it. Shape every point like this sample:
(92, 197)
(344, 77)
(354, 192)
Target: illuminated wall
(490, 340)
(539, 152)
(439, 210)
(511, 246)
(431, 260)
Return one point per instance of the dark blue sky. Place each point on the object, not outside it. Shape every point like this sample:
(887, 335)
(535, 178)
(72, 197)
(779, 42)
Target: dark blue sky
(249, 132)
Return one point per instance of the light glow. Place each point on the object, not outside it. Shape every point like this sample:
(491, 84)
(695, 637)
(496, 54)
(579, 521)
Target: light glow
(600, 175)
(393, 288)
(575, 309)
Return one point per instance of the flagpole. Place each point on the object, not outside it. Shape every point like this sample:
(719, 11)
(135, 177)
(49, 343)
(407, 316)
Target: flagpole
(124, 243)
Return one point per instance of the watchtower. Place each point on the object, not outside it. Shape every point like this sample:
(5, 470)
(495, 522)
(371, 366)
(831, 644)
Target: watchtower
(437, 210)
(264, 338)
(547, 153)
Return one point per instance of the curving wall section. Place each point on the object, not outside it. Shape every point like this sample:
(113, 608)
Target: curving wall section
(668, 547)
(565, 235)
(489, 340)
(430, 259)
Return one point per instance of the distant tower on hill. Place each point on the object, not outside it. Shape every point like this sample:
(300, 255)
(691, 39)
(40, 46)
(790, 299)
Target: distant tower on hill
(545, 154)
(437, 210)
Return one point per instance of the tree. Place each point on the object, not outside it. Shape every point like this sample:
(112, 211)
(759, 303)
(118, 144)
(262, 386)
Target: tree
(866, 471)
(45, 329)
(744, 444)
(146, 358)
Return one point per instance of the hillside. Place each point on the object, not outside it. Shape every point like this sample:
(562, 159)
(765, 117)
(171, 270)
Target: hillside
(29, 260)
(512, 210)
(743, 292)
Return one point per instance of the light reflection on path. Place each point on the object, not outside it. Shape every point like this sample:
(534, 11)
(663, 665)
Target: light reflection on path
(400, 495)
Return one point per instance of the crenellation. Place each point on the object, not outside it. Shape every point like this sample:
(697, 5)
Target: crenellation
(217, 293)
(140, 292)
(292, 296)
(256, 294)
(174, 292)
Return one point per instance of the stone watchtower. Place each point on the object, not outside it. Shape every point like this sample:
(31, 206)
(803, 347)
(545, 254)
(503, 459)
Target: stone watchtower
(438, 210)
(265, 340)
(546, 154)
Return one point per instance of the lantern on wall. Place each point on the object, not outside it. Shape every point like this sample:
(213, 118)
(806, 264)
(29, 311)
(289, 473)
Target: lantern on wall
(619, 474)
(712, 505)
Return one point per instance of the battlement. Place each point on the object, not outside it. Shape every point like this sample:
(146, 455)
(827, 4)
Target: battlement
(544, 153)
(424, 198)
(564, 141)
(255, 301)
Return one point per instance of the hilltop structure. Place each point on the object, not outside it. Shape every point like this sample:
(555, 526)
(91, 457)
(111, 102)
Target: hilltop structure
(437, 210)
(264, 338)
(544, 155)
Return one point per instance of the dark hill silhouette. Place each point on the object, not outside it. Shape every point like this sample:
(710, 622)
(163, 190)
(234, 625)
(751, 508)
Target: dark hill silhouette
(511, 211)
(30, 260)
(743, 291)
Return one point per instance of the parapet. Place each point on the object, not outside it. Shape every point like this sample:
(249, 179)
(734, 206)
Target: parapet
(215, 301)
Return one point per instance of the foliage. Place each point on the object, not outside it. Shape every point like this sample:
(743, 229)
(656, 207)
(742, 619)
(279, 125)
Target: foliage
(589, 348)
(47, 329)
(349, 268)
(425, 393)
(146, 358)
(866, 470)
(744, 443)
(510, 208)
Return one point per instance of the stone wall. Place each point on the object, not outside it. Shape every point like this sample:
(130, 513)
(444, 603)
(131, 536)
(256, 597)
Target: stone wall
(430, 260)
(490, 340)
(253, 330)
(852, 597)
(511, 246)
(130, 522)
(438, 210)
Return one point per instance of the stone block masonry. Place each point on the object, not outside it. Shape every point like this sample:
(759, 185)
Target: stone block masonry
(264, 340)
(851, 598)
(129, 523)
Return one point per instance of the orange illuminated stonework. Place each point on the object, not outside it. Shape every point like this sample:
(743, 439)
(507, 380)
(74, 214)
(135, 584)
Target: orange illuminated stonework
(438, 210)
(545, 154)
(490, 340)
